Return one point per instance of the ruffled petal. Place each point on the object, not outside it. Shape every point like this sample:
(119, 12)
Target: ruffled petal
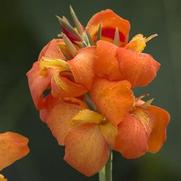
(38, 80)
(109, 21)
(38, 83)
(132, 138)
(160, 120)
(138, 68)
(86, 149)
(106, 64)
(52, 50)
(13, 147)
(58, 118)
(82, 66)
(113, 99)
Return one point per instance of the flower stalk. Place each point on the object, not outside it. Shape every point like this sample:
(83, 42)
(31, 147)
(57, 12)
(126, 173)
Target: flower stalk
(106, 173)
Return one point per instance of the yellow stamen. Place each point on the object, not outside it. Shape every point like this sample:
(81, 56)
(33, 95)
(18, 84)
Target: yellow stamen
(2, 178)
(53, 63)
(59, 82)
(88, 116)
(138, 42)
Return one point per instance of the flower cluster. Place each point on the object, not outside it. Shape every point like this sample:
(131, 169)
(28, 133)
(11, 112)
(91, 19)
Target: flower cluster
(82, 84)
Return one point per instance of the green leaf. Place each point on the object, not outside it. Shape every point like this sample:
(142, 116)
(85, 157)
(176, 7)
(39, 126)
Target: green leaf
(66, 20)
(77, 23)
(90, 38)
(116, 40)
(66, 25)
(70, 46)
(99, 32)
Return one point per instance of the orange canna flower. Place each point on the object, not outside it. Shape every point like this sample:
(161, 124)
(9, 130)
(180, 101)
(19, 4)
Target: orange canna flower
(138, 68)
(142, 130)
(89, 105)
(126, 64)
(13, 147)
(46, 74)
(109, 21)
(84, 133)
(38, 82)
(141, 127)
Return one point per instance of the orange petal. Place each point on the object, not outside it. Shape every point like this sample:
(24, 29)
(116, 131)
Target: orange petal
(113, 99)
(64, 87)
(160, 119)
(109, 21)
(38, 84)
(86, 149)
(138, 68)
(82, 66)
(59, 117)
(47, 105)
(106, 64)
(13, 147)
(132, 137)
(51, 102)
(52, 50)
(75, 101)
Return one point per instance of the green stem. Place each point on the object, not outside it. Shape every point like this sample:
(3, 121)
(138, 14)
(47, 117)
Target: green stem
(106, 173)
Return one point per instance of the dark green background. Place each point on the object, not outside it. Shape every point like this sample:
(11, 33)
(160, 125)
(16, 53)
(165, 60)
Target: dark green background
(27, 25)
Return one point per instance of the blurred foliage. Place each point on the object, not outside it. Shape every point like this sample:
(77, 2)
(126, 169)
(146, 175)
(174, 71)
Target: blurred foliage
(26, 26)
